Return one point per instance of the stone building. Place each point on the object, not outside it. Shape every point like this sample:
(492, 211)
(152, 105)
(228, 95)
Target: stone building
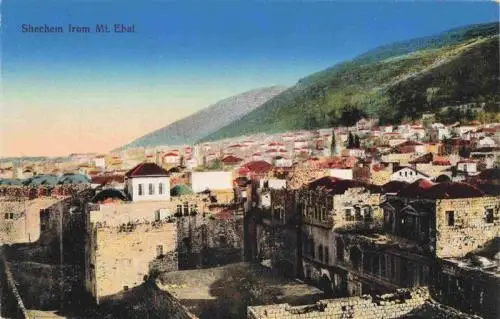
(126, 242)
(355, 238)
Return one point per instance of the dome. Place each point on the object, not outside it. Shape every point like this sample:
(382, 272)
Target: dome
(180, 190)
(9, 181)
(41, 180)
(109, 193)
(74, 179)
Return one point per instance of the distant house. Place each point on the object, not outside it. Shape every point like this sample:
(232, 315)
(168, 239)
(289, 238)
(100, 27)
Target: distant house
(354, 152)
(172, 158)
(467, 166)
(301, 143)
(280, 161)
(486, 141)
(487, 155)
(211, 181)
(231, 160)
(365, 124)
(147, 181)
(408, 175)
(410, 147)
(100, 161)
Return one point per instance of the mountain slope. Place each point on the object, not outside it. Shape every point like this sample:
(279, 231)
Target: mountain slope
(391, 82)
(208, 120)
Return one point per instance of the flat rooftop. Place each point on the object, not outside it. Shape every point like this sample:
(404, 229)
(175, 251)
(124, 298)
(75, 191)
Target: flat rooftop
(225, 292)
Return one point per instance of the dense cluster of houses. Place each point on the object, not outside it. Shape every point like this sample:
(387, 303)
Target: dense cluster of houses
(358, 210)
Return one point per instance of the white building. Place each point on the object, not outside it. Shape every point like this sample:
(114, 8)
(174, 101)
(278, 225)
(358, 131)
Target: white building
(409, 175)
(467, 166)
(273, 183)
(147, 182)
(343, 173)
(100, 162)
(216, 180)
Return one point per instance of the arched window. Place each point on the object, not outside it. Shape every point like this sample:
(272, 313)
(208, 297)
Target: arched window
(355, 257)
(340, 249)
(320, 252)
(312, 249)
(367, 213)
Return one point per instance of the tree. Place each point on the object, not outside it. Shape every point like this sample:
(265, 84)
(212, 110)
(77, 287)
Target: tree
(333, 144)
(447, 146)
(350, 115)
(463, 152)
(357, 143)
(469, 115)
(350, 140)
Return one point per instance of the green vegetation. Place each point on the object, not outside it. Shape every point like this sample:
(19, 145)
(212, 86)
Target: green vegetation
(392, 83)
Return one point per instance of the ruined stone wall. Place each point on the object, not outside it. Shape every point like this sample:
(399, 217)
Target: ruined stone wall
(24, 227)
(470, 229)
(204, 240)
(471, 290)
(403, 303)
(279, 245)
(123, 258)
(357, 198)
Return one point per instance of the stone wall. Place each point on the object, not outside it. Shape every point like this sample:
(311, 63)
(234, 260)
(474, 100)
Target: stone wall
(205, 240)
(402, 304)
(357, 198)
(470, 229)
(123, 257)
(23, 226)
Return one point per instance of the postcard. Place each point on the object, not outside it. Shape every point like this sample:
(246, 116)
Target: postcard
(249, 159)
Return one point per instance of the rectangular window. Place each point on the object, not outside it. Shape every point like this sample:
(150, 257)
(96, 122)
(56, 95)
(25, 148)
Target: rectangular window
(141, 190)
(382, 266)
(160, 188)
(157, 216)
(151, 189)
(159, 250)
(9, 215)
(348, 215)
(327, 256)
(186, 208)
(194, 209)
(489, 216)
(450, 218)
(179, 210)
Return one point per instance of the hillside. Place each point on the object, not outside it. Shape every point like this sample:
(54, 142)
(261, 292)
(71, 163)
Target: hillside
(393, 82)
(208, 120)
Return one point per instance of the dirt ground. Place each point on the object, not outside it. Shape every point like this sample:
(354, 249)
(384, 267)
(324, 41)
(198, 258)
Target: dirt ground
(225, 292)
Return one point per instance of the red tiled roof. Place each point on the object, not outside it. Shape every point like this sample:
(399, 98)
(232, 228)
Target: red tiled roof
(259, 166)
(467, 161)
(102, 180)
(452, 190)
(394, 186)
(274, 144)
(171, 154)
(231, 159)
(335, 185)
(416, 188)
(146, 169)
